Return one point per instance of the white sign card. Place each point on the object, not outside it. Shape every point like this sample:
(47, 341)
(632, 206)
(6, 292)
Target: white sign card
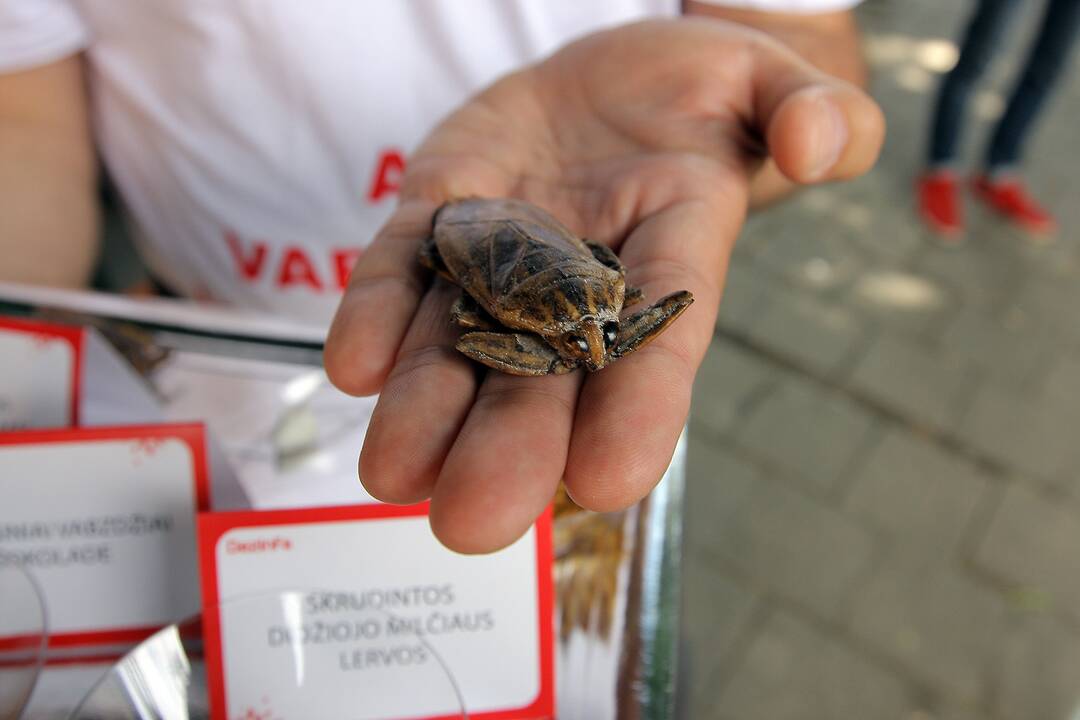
(39, 374)
(104, 519)
(360, 612)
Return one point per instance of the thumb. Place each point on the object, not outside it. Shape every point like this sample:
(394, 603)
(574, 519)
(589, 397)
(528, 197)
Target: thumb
(817, 127)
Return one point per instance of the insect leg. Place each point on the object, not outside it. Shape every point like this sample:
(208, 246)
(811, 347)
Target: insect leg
(512, 353)
(605, 256)
(642, 327)
(468, 314)
(431, 259)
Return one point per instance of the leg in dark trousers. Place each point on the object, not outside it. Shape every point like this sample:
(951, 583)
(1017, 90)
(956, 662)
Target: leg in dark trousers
(1048, 57)
(981, 42)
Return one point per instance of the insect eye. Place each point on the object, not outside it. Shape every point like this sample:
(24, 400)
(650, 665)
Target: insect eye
(580, 343)
(611, 333)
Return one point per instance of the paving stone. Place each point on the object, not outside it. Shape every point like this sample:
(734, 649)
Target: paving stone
(716, 482)
(747, 289)
(1033, 434)
(870, 610)
(757, 229)
(1032, 543)
(1063, 379)
(808, 251)
(880, 234)
(727, 379)
(884, 230)
(929, 389)
(951, 711)
(813, 332)
(716, 609)
(1038, 670)
(1053, 263)
(1051, 304)
(902, 301)
(942, 627)
(918, 495)
(779, 538)
(795, 672)
(1013, 355)
(980, 277)
(948, 712)
(811, 433)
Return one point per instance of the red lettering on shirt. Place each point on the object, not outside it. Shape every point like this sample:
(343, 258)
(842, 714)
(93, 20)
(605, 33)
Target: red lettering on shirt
(388, 174)
(344, 260)
(291, 266)
(296, 269)
(249, 264)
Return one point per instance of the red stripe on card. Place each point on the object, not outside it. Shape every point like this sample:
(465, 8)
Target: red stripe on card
(191, 629)
(79, 346)
(19, 642)
(100, 659)
(103, 637)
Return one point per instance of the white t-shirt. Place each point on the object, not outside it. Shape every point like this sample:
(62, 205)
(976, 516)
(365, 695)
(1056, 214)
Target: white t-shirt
(258, 143)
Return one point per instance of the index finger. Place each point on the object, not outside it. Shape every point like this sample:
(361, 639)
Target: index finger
(379, 302)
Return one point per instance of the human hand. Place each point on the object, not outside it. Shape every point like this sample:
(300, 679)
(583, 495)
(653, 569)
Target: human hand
(645, 138)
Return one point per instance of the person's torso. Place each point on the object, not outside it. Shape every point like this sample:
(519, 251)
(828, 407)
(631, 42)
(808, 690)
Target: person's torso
(258, 144)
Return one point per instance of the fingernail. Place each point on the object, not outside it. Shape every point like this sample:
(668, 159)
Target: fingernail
(830, 136)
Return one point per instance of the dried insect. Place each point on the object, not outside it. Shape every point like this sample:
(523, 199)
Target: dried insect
(590, 548)
(536, 299)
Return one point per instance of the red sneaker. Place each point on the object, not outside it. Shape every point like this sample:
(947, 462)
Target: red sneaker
(939, 202)
(1011, 199)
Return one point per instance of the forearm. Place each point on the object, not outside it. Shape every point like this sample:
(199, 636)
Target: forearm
(48, 202)
(829, 41)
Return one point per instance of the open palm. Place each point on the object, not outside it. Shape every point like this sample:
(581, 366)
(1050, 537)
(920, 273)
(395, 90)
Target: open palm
(645, 138)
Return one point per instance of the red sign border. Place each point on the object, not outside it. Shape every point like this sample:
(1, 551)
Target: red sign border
(213, 525)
